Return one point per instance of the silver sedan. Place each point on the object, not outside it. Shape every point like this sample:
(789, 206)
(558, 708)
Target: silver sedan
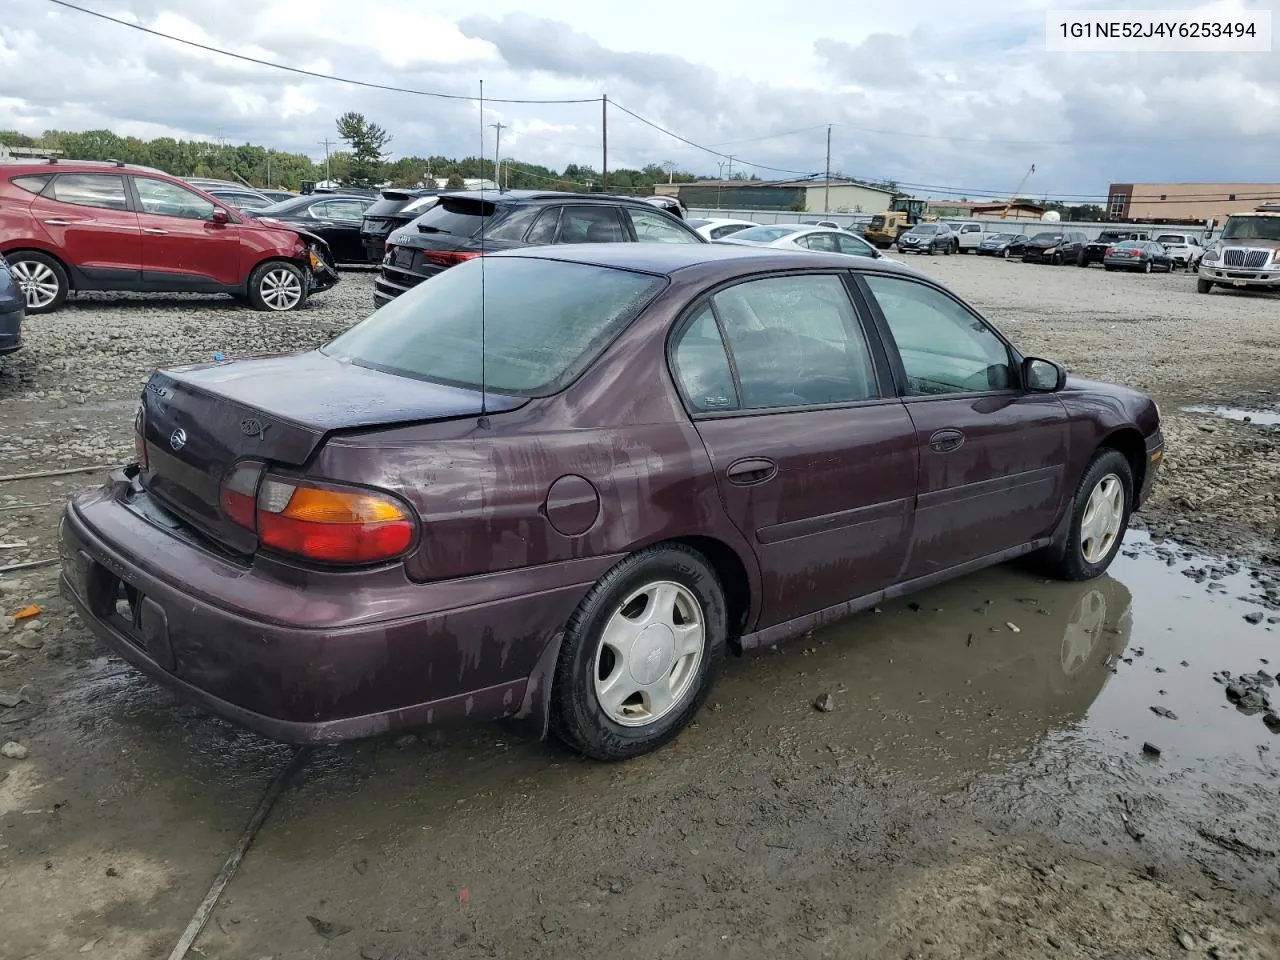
(800, 236)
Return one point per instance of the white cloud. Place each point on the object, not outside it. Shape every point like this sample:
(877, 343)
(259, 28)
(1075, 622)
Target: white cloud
(924, 93)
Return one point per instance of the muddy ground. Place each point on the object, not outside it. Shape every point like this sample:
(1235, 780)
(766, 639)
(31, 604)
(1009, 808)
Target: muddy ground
(979, 789)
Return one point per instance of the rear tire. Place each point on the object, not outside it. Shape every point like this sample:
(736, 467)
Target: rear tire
(1082, 260)
(582, 714)
(1204, 286)
(1107, 267)
(41, 279)
(1100, 514)
(277, 286)
(1146, 267)
(1005, 253)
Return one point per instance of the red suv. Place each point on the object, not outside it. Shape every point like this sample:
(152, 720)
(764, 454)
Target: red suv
(83, 225)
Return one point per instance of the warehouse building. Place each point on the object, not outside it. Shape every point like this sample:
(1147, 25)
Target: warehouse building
(1189, 202)
(808, 196)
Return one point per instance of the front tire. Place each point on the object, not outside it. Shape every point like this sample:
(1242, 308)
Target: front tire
(1005, 253)
(1100, 514)
(1203, 286)
(1146, 267)
(277, 286)
(640, 654)
(41, 279)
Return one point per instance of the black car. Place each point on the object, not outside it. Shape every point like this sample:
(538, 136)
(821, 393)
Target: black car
(450, 231)
(1056, 247)
(13, 306)
(241, 198)
(1143, 255)
(1096, 249)
(929, 238)
(333, 217)
(1004, 245)
(390, 212)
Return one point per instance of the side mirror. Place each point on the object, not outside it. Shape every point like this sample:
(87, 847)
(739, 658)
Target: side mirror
(220, 216)
(1043, 376)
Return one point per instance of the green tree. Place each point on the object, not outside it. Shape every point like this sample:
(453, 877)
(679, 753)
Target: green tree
(368, 143)
(455, 181)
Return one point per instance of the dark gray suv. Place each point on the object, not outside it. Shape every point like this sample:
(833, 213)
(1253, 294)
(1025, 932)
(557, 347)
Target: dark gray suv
(450, 232)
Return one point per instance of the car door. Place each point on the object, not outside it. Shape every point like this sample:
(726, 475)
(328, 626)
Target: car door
(992, 456)
(814, 457)
(342, 220)
(92, 225)
(182, 247)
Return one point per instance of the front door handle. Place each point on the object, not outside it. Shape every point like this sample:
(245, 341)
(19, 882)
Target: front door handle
(944, 441)
(751, 470)
(155, 230)
(59, 222)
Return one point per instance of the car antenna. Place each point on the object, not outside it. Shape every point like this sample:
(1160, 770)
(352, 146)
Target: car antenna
(484, 393)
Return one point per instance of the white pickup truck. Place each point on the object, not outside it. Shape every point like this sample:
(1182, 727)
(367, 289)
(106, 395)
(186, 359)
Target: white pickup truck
(972, 232)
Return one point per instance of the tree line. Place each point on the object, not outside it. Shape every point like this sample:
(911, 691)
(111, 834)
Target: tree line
(363, 163)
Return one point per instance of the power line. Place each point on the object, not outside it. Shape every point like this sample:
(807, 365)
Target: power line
(307, 73)
(699, 146)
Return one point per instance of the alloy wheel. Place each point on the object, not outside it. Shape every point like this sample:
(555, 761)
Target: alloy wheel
(649, 653)
(38, 282)
(281, 289)
(1103, 517)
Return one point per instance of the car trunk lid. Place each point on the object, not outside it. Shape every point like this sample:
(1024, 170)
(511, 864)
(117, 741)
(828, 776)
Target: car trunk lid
(200, 420)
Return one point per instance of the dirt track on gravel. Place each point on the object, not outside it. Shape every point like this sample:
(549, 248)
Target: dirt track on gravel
(977, 791)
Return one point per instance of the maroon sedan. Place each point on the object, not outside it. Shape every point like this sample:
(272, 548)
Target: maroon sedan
(557, 484)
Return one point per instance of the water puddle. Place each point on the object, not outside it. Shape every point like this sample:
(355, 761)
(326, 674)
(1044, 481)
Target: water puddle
(1259, 418)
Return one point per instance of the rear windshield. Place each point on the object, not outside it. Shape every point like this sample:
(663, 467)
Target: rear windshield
(1252, 228)
(544, 322)
(456, 216)
(1170, 238)
(765, 234)
(1132, 245)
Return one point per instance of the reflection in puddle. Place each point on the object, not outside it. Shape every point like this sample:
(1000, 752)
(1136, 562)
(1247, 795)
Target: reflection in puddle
(1260, 418)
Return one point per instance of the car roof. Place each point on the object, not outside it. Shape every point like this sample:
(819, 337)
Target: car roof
(521, 196)
(29, 167)
(709, 259)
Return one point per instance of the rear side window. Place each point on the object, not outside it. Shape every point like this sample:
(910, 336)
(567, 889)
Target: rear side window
(456, 216)
(702, 366)
(591, 225)
(32, 184)
(91, 190)
(544, 231)
(545, 321)
(514, 226)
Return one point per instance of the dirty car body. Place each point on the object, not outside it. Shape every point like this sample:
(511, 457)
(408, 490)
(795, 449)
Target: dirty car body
(807, 467)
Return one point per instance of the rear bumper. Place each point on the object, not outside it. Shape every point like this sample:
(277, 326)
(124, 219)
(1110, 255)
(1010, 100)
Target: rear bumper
(310, 663)
(1123, 263)
(1155, 456)
(10, 328)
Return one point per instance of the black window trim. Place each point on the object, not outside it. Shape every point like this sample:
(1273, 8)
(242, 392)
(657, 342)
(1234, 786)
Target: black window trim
(895, 357)
(880, 363)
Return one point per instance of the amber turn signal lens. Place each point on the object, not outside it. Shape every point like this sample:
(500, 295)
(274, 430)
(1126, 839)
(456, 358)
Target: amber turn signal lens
(332, 525)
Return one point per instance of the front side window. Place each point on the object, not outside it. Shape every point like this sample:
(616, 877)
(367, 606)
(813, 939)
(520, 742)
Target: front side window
(544, 322)
(701, 366)
(165, 199)
(944, 347)
(653, 227)
(591, 225)
(854, 246)
(91, 190)
(795, 341)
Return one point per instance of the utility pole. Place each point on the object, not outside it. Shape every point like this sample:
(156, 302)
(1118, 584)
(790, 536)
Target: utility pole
(497, 145)
(327, 144)
(731, 168)
(604, 142)
(826, 193)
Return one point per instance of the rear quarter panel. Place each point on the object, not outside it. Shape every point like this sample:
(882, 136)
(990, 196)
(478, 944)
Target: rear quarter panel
(19, 229)
(482, 492)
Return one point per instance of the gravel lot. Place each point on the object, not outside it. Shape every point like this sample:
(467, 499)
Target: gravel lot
(969, 797)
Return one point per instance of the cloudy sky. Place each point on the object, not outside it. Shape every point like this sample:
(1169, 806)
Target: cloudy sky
(917, 92)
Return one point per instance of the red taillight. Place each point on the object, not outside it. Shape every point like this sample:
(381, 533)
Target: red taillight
(331, 524)
(1110, 252)
(239, 498)
(447, 258)
(140, 436)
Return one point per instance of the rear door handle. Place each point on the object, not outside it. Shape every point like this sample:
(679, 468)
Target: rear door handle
(944, 441)
(751, 470)
(155, 230)
(59, 222)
